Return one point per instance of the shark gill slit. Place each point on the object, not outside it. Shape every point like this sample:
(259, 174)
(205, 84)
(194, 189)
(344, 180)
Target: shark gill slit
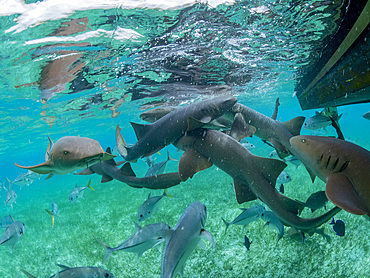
(335, 163)
(344, 166)
(327, 163)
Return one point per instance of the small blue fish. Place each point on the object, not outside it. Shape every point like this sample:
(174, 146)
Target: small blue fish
(6, 221)
(54, 211)
(273, 221)
(159, 167)
(77, 193)
(339, 227)
(147, 208)
(247, 242)
(247, 216)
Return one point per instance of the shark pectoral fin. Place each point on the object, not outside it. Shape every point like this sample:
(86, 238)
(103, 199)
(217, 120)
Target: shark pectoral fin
(243, 192)
(192, 162)
(270, 168)
(312, 175)
(106, 178)
(294, 126)
(86, 171)
(240, 129)
(107, 156)
(140, 129)
(281, 151)
(126, 170)
(43, 168)
(49, 176)
(194, 123)
(207, 235)
(341, 193)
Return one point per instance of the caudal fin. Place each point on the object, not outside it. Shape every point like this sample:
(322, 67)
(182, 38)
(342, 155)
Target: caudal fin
(89, 186)
(227, 224)
(52, 217)
(108, 250)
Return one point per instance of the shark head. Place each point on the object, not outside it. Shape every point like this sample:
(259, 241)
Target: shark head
(344, 166)
(70, 153)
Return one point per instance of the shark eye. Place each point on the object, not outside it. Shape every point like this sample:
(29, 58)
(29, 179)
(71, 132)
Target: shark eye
(141, 215)
(303, 140)
(65, 152)
(106, 275)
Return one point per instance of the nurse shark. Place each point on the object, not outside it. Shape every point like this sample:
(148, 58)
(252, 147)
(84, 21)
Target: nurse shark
(344, 166)
(68, 154)
(253, 176)
(166, 130)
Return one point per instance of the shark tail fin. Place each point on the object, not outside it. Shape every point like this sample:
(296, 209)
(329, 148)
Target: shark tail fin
(89, 186)
(108, 250)
(52, 217)
(28, 274)
(227, 224)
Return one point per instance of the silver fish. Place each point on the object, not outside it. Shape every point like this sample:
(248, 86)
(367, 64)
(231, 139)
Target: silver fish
(284, 177)
(142, 240)
(78, 192)
(11, 196)
(54, 211)
(81, 272)
(273, 221)
(12, 234)
(316, 122)
(185, 237)
(248, 145)
(247, 216)
(26, 178)
(292, 159)
(6, 221)
(149, 206)
(159, 167)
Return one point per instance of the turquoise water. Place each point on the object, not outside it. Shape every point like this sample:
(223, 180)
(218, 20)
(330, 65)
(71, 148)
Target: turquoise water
(82, 69)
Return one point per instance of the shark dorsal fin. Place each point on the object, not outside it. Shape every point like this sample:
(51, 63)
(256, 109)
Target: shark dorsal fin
(294, 125)
(140, 129)
(195, 123)
(240, 129)
(126, 170)
(277, 104)
(47, 154)
(270, 168)
(108, 150)
(192, 162)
